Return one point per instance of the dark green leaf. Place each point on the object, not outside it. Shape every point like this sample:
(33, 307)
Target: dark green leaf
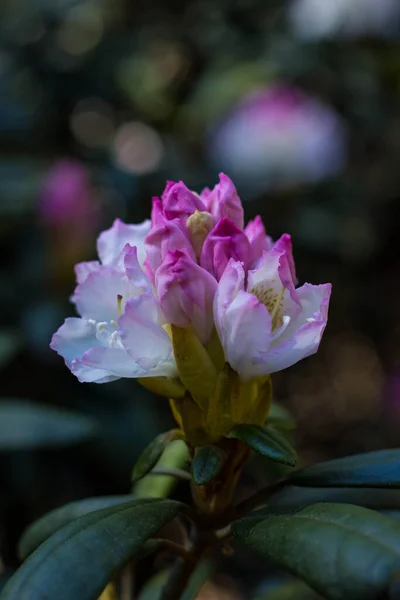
(280, 418)
(26, 425)
(152, 454)
(44, 527)
(376, 498)
(78, 560)
(374, 469)
(267, 442)
(342, 551)
(206, 464)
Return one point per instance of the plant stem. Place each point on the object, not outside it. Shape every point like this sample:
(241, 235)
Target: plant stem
(178, 579)
(183, 569)
(179, 473)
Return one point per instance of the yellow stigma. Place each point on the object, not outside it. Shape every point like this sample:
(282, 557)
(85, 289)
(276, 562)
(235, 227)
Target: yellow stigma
(119, 304)
(199, 225)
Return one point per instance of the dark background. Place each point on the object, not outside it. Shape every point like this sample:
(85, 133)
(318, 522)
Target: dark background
(100, 103)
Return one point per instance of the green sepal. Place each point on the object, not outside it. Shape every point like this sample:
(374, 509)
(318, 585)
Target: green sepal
(265, 441)
(206, 464)
(163, 386)
(195, 367)
(153, 452)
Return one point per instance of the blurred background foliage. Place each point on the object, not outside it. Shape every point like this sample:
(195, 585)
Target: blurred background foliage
(101, 101)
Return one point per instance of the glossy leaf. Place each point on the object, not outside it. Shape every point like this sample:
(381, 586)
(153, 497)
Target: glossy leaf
(152, 454)
(81, 558)
(342, 551)
(44, 527)
(280, 418)
(373, 469)
(206, 464)
(267, 442)
(376, 498)
(27, 425)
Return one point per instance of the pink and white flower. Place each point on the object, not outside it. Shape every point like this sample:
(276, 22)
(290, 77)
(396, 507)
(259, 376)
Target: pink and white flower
(193, 266)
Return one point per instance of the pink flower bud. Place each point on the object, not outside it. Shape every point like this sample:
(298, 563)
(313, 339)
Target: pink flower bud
(224, 242)
(259, 240)
(186, 294)
(163, 237)
(179, 202)
(223, 201)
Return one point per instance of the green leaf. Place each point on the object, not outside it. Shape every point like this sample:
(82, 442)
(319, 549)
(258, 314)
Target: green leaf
(267, 442)
(152, 454)
(27, 425)
(376, 498)
(280, 418)
(82, 557)
(206, 464)
(374, 469)
(44, 527)
(342, 551)
(153, 588)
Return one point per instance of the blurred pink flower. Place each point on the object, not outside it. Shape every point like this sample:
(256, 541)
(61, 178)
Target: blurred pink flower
(277, 137)
(67, 195)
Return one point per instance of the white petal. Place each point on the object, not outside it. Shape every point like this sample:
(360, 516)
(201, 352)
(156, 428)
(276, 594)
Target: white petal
(271, 282)
(97, 297)
(303, 335)
(231, 282)
(245, 335)
(83, 269)
(140, 328)
(74, 338)
(113, 361)
(112, 241)
(314, 301)
(134, 271)
(304, 343)
(90, 374)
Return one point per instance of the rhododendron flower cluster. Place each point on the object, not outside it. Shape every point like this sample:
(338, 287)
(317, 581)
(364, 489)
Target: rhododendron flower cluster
(193, 270)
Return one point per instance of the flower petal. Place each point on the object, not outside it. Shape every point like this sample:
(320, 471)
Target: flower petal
(231, 282)
(83, 269)
(303, 335)
(246, 335)
(133, 271)
(90, 374)
(259, 240)
(179, 202)
(98, 296)
(223, 201)
(224, 242)
(144, 338)
(186, 294)
(272, 283)
(111, 242)
(74, 338)
(166, 236)
(113, 361)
